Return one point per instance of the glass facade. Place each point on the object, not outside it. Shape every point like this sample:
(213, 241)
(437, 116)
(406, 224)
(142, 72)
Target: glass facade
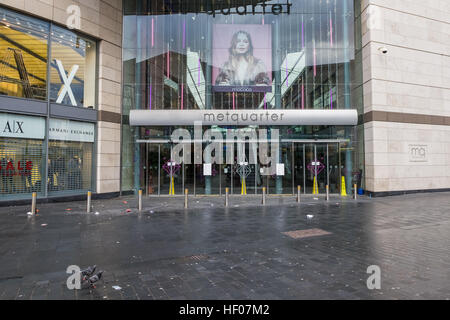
(71, 145)
(298, 54)
(24, 44)
(21, 167)
(73, 54)
(23, 56)
(41, 61)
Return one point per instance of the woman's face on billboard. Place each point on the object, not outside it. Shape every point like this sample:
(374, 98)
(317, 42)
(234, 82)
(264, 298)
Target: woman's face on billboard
(242, 44)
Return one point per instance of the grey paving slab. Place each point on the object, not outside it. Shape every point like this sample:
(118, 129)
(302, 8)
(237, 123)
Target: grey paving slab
(240, 252)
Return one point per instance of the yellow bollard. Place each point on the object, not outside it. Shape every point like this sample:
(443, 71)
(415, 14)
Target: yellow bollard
(243, 188)
(343, 188)
(172, 187)
(315, 187)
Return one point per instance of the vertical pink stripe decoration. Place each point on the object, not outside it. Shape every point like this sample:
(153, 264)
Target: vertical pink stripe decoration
(303, 96)
(234, 104)
(263, 20)
(182, 96)
(153, 32)
(265, 100)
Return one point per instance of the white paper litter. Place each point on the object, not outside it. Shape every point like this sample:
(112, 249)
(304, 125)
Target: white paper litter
(116, 288)
(310, 216)
(44, 225)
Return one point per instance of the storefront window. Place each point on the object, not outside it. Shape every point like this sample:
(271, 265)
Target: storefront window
(21, 155)
(23, 56)
(71, 146)
(73, 69)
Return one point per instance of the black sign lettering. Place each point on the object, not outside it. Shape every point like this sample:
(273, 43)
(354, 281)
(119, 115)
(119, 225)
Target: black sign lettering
(19, 127)
(7, 128)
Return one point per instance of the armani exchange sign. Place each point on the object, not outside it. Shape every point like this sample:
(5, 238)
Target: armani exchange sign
(225, 7)
(18, 126)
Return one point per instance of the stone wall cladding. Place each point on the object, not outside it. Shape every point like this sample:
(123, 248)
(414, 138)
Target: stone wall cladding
(410, 83)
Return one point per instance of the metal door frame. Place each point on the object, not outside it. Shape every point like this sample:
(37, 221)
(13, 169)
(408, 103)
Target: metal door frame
(315, 143)
(294, 144)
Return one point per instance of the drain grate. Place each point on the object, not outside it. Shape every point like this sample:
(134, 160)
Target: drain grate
(308, 233)
(194, 258)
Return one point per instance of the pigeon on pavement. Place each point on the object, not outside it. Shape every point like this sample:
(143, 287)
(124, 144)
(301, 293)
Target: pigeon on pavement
(89, 271)
(95, 278)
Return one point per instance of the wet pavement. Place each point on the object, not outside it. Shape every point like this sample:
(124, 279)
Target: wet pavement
(285, 250)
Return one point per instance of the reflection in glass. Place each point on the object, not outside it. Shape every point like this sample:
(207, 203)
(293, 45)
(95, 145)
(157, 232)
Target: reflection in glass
(174, 58)
(23, 56)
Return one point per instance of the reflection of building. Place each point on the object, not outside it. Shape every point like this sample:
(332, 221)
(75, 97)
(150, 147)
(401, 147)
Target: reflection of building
(66, 105)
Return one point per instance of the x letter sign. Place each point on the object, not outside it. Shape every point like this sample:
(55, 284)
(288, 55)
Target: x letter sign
(65, 88)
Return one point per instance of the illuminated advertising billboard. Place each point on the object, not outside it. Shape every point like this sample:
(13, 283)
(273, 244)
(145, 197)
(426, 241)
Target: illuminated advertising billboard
(242, 58)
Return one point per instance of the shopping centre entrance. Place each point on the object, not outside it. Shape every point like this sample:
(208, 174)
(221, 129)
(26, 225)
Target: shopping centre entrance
(310, 164)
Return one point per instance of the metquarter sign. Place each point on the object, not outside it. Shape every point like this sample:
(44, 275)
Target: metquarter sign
(224, 7)
(292, 117)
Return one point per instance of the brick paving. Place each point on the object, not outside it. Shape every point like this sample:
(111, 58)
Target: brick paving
(240, 252)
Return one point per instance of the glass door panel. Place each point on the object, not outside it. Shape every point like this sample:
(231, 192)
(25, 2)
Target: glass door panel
(321, 167)
(333, 167)
(189, 173)
(286, 186)
(171, 173)
(151, 170)
(310, 159)
(299, 166)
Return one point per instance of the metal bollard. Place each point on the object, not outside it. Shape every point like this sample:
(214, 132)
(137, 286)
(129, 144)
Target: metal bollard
(89, 197)
(226, 197)
(356, 191)
(140, 201)
(299, 190)
(328, 193)
(264, 196)
(33, 203)
(186, 193)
